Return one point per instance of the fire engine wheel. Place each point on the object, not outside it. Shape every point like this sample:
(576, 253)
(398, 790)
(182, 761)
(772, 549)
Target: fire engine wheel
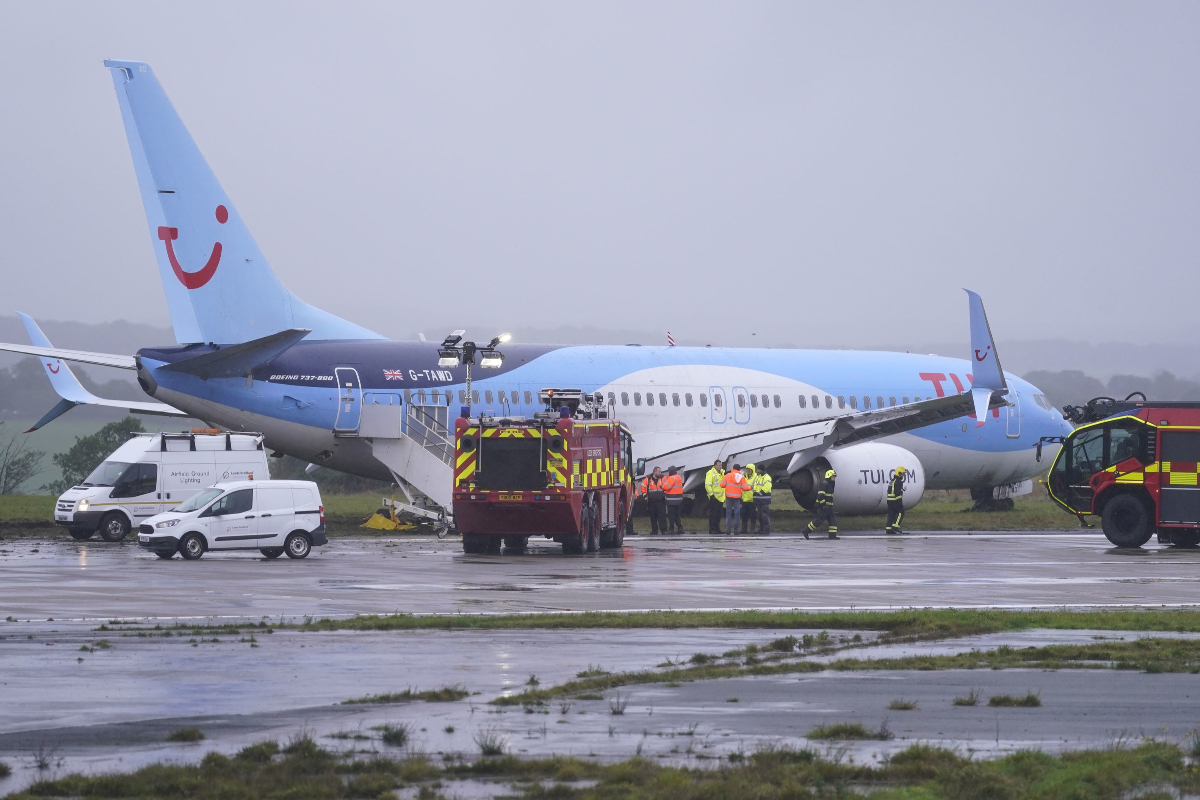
(515, 544)
(592, 530)
(476, 543)
(1126, 521)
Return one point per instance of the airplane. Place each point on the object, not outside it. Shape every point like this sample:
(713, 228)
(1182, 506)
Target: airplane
(250, 355)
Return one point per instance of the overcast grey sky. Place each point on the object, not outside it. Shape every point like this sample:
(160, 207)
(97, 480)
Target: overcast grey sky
(824, 174)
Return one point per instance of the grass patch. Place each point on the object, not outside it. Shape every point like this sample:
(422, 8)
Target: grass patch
(900, 704)
(920, 772)
(846, 731)
(971, 698)
(1027, 700)
(394, 735)
(913, 623)
(186, 735)
(446, 694)
(5, 770)
(491, 742)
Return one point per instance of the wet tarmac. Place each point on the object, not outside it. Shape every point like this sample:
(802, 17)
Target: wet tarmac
(82, 706)
(96, 580)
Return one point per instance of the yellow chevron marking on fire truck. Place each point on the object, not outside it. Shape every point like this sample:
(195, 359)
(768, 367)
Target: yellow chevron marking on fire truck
(1132, 477)
(1154, 468)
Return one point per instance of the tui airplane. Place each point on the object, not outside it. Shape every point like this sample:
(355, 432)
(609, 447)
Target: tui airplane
(250, 355)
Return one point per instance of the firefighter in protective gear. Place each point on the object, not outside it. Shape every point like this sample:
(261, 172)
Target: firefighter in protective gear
(733, 484)
(824, 507)
(673, 488)
(716, 495)
(656, 500)
(748, 515)
(895, 502)
(762, 500)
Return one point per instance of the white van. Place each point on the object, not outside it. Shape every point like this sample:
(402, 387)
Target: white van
(273, 517)
(153, 472)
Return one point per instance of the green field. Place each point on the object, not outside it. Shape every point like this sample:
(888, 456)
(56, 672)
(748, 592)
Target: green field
(938, 511)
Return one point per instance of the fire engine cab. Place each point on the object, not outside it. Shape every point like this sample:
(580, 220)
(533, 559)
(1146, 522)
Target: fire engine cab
(1135, 464)
(565, 474)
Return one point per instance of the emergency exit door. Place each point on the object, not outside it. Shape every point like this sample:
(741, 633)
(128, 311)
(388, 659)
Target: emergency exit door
(349, 400)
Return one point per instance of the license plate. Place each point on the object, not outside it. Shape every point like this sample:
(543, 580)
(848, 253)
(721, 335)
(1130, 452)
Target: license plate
(143, 538)
(510, 497)
(60, 516)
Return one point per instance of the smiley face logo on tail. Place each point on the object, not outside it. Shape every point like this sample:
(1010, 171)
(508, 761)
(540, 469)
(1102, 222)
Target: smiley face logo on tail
(193, 280)
(977, 356)
(55, 367)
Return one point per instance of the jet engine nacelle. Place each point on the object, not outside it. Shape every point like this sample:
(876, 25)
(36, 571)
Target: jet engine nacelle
(863, 474)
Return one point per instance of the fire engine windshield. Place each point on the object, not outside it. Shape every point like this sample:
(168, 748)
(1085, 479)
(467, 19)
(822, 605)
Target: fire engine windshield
(510, 464)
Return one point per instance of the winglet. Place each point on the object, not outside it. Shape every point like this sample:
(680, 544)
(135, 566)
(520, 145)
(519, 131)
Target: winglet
(987, 375)
(65, 384)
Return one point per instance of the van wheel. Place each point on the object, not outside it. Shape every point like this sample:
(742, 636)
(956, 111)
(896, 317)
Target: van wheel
(114, 527)
(297, 545)
(192, 546)
(80, 536)
(271, 552)
(1126, 521)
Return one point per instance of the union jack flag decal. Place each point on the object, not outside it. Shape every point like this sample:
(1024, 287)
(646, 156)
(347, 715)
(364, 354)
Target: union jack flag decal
(393, 374)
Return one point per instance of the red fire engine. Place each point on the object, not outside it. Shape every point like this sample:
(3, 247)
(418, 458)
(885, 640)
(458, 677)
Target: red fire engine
(565, 475)
(1134, 463)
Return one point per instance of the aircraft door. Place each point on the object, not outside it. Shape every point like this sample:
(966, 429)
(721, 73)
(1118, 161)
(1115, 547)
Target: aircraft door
(716, 405)
(1014, 414)
(349, 400)
(741, 405)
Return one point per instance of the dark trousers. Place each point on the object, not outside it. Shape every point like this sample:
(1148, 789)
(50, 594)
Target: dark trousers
(824, 513)
(894, 515)
(658, 515)
(764, 514)
(673, 520)
(749, 515)
(716, 511)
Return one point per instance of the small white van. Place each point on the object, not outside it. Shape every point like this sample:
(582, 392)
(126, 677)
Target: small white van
(153, 472)
(273, 517)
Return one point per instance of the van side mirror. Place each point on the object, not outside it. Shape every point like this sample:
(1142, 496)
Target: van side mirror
(641, 468)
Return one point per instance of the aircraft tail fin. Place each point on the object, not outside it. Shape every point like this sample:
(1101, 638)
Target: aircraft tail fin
(219, 287)
(988, 375)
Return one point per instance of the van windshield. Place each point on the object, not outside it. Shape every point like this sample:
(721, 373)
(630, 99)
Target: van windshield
(106, 474)
(198, 500)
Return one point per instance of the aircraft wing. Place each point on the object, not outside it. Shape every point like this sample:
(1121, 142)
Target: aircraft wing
(68, 387)
(807, 440)
(80, 356)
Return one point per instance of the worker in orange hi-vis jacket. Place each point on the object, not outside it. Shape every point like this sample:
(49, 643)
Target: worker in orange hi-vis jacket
(733, 484)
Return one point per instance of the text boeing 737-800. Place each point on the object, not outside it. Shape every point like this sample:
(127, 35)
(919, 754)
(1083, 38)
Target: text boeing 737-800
(252, 356)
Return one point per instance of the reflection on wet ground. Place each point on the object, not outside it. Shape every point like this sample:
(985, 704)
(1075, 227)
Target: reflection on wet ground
(94, 708)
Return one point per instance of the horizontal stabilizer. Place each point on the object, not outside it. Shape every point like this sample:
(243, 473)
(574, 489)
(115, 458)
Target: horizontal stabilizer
(238, 360)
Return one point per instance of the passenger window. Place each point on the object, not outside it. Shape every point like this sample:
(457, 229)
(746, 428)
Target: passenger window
(662, 399)
(741, 400)
(803, 403)
(687, 398)
(704, 401)
(612, 399)
(879, 402)
(421, 396)
(528, 398)
(487, 395)
(853, 402)
(778, 402)
(624, 398)
(892, 402)
(675, 399)
(238, 502)
(516, 398)
(718, 400)
(828, 401)
(766, 401)
(637, 398)
(905, 399)
(841, 401)
(916, 399)
(649, 398)
(462, 396)
(754, 400)
(866, 402)
(1126, 442)
(475, 396)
